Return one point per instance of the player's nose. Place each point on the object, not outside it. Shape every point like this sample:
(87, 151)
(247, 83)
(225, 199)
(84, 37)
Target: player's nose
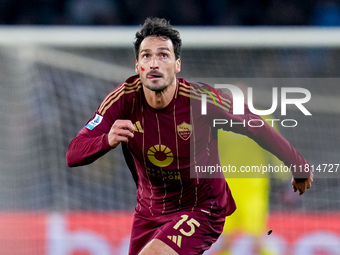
(154, 63)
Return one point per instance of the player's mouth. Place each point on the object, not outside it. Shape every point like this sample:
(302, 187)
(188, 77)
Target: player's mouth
(154, 75)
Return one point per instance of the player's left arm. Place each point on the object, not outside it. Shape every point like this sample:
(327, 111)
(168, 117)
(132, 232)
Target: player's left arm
(271, 140)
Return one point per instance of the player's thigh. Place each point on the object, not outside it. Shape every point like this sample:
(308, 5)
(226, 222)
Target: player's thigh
(157, 247)
(190, 233)
(143, 231)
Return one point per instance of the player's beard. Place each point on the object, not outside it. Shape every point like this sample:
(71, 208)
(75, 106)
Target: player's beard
(158, 86)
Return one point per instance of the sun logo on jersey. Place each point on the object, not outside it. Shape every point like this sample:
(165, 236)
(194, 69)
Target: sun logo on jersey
(160, 155)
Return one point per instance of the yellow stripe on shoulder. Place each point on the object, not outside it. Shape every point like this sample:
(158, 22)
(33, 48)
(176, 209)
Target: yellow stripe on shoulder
(184, 85)
(197, 91)
(224, 107)
(114, 96)
(115, 92)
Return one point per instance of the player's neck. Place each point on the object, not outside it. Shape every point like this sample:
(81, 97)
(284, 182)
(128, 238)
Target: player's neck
(159, 100)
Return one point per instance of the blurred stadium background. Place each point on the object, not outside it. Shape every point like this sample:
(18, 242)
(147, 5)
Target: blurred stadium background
(53, 78)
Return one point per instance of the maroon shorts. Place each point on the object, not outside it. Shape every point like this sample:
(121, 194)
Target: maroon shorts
(187, 232)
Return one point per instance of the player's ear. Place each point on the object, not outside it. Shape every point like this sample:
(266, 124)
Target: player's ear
(137, 67)
(178, 65)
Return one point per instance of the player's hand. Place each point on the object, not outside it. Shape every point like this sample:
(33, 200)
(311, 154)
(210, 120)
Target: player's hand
(121, 131)
(302, 186)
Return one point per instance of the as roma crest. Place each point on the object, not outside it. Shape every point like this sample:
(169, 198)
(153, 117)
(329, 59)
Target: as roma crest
(184, 130)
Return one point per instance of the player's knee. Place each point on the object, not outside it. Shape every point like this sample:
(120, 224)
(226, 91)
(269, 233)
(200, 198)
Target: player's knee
(157, 247)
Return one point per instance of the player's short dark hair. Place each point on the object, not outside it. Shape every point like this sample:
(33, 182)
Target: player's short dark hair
(158, 27)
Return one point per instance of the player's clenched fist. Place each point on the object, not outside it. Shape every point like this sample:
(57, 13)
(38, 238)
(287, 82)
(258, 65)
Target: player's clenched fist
(302, 186)
(121, 131)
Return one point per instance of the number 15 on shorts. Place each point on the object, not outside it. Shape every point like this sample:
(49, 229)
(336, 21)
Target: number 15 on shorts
(192, 223)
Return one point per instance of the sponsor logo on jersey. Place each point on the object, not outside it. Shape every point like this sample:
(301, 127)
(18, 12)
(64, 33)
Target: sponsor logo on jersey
(95, 122)
(163, 174)
(184, 130)
(160, 155)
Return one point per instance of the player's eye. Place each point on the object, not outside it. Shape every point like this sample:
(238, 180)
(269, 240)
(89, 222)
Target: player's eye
(145, 56)
(164, 55)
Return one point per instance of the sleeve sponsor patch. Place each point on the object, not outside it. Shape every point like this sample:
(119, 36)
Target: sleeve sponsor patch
(94, 122)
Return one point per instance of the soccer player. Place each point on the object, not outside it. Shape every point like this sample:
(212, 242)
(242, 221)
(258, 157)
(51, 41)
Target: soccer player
(156, 118)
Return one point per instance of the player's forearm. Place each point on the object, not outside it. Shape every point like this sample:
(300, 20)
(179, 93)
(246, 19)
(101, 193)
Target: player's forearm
(274, 142)
(84, 150)
(271, 140)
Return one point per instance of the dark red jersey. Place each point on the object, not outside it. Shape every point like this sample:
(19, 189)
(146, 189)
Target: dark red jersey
(167, 145)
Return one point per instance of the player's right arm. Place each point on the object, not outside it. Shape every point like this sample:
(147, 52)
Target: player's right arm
(107, 128)
(89, 145)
